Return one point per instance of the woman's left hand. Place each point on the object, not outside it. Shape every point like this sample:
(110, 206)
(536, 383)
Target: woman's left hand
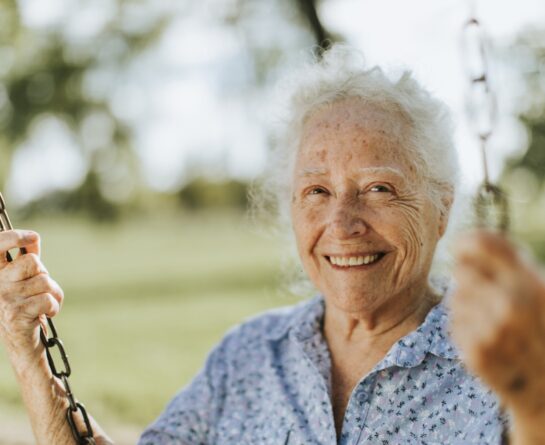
(498, 322)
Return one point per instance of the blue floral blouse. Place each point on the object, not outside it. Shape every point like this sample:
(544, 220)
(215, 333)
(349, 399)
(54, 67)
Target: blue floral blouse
(268, 382)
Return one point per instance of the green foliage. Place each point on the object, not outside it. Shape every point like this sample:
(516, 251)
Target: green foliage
(47, 73)
(524, 173)
(202, 194)
(533, 159)
(86, 200)
(50, 76)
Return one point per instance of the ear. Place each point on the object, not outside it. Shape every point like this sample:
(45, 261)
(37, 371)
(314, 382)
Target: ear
(447, 199)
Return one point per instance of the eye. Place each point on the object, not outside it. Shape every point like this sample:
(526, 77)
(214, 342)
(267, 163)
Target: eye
(317, 191)
(380, 188)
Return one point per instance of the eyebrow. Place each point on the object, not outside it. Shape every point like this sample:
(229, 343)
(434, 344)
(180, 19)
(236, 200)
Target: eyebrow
(366, 170)
(390, 170)
(313, 172)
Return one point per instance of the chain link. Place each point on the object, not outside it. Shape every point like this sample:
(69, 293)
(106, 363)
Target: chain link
(54, 342)
(481, 104)
(491, 205)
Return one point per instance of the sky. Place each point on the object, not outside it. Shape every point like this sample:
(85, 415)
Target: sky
(184, 118)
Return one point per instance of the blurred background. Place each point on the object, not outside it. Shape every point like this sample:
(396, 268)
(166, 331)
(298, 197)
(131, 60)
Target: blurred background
(131, 130)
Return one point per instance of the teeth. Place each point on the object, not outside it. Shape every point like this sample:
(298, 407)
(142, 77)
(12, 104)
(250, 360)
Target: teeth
(353, 260)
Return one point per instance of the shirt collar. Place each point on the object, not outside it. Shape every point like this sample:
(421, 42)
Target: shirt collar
(432, 336)
(304, 321)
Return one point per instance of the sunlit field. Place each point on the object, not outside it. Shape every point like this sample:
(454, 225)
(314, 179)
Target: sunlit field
(145, 302)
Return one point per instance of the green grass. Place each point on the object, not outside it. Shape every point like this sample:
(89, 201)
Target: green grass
(146, 301)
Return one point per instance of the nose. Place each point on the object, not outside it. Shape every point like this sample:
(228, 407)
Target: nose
(347, 220)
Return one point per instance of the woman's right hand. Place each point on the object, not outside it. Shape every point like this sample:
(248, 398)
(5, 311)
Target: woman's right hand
(27, 296)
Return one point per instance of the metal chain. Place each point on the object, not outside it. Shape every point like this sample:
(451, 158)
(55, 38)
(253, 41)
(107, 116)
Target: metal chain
(50, 343)
(491, 206)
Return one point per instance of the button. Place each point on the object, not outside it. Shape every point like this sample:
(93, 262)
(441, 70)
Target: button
(361, 397)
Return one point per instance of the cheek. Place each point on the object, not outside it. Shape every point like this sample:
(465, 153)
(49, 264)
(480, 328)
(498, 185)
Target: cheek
(422, 233)
(412, 232)
(305, 223)
(308, 226)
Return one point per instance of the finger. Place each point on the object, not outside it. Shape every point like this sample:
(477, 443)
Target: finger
(520, 281)
(487, 250)
(23, 267)
(34, 247)
(495, 258)
(483, 307)
(38, 284)
(42, 304)
(17, 239)
(478, 306)
(490, 242)
(470, 285)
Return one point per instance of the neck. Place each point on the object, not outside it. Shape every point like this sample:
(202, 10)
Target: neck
(375, 325)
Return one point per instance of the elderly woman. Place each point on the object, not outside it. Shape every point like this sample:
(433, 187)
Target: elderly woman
(367, 178)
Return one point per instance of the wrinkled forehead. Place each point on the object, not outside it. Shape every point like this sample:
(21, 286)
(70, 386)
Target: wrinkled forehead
(352, 133)
(376, 119)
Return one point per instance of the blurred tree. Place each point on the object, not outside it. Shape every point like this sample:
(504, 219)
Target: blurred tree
(524, 172)
(274, 31)
(201, 193)
(45, 74)
(322, 37)
(532, 46)
(49, 73)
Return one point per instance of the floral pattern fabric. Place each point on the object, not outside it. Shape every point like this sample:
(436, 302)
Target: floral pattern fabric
(268, 382)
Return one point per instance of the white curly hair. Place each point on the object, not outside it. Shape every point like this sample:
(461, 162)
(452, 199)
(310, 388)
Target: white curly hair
(340, 74)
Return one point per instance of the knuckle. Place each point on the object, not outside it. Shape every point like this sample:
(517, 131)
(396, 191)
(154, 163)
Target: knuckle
(37, 305)
(20, 236)
(34, 286)
(51, 284)
(53, 305)
(49, 302)
(33, 260)
(43, 281)
(27, 235)
(56, 291)
(26, 266)
(60, 293)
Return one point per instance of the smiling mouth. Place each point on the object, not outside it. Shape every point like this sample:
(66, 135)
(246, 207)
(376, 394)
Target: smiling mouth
(355, 261)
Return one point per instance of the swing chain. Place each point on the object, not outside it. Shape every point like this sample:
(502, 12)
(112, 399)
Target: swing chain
(491, 205)
(54, 342)
(482, 110)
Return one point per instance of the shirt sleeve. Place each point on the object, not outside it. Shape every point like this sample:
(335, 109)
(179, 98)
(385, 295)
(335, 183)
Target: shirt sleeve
(191, 416)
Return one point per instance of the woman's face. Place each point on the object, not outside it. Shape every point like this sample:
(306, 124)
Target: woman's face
(366, 229)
